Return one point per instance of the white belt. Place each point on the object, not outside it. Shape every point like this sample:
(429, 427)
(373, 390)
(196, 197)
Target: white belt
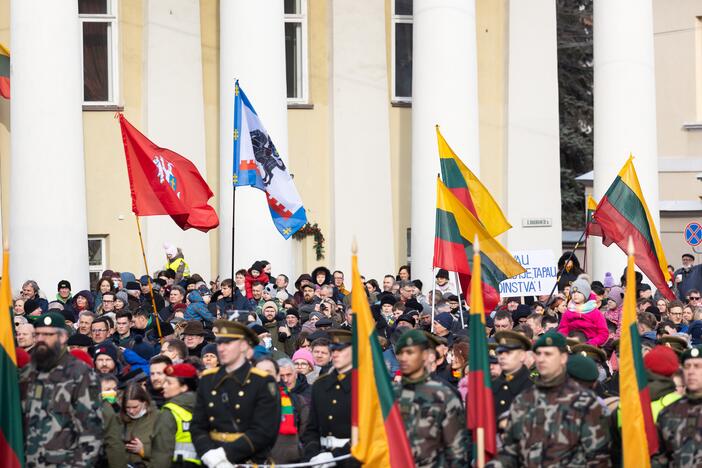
(331, 442)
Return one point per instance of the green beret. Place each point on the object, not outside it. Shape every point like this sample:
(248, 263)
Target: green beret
(412, 338)
(50, 319)
(551, 338)
(582, 368)
(692, 353)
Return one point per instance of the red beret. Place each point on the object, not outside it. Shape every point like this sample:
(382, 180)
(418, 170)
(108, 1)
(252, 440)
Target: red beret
(662, 360)
(23, 357)
(183, 371)
(82, 356)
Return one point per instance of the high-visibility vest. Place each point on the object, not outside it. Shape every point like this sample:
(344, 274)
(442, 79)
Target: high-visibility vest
(658, 405)
(176, 263)
(184, 447)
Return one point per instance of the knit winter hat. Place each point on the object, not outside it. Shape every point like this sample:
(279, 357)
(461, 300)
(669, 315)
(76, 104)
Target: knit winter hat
(662, 360)
(608, 280)
(581, 285)
(445, 320)
(305, 354)
(616, 294)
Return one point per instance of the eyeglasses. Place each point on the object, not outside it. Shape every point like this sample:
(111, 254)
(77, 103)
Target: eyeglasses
(99, 330)
(694, 298)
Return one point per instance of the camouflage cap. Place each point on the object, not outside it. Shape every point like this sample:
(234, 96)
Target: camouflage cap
(678, 343)
(508, 340)
(551, 338)
(590, 351)
(412, 338)
(229, 330)
(582, 368)
(50, 319)
(693, 353)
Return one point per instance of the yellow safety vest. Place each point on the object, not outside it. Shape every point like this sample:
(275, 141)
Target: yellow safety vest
(176, 263)
(184, 447)
(656, 406)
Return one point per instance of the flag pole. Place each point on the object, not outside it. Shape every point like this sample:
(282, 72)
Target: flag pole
(233, 225)
(460, 300)
(433, 297)
(151, 288)
(565, 264)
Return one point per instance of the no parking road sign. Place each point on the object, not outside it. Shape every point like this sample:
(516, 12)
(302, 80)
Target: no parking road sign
(693, 234)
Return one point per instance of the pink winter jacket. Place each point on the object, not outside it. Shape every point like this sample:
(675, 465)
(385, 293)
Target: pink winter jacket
(592, 324)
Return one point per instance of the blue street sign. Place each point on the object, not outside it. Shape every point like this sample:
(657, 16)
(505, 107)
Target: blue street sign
(693, 234)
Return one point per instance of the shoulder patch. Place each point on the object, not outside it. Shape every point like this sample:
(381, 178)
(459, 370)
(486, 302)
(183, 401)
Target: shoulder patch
(259, 372)
(209, 371)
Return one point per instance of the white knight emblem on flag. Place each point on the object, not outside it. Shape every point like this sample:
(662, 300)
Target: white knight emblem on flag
(165, 173)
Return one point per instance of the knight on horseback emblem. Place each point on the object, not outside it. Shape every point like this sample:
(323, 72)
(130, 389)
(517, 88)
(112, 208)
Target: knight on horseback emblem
(267, 157)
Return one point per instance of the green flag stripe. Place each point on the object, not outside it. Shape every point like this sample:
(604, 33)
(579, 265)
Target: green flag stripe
(451, 174)
(478, 356)
(447, 230)
(382, 377)
(4, 65)
(10, 412)
(628, 204)
(640, 370)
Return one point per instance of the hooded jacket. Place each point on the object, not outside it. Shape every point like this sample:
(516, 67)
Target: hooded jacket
(197, 309)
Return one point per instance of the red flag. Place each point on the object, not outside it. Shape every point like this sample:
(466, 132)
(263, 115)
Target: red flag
(165, 183)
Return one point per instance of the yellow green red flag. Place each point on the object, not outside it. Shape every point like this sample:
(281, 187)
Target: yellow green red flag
(379, 436)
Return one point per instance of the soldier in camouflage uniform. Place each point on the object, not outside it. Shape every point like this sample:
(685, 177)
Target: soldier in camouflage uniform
(433, 415)
(60, 404)
(557, 422)
(680, 423)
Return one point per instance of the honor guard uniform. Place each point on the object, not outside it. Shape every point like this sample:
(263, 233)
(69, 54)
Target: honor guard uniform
(512, 382)
(237, 413)
(678, 343)
(329, 427)
(600, 358)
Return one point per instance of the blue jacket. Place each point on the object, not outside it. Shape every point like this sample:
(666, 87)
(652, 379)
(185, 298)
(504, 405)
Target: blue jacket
(197, 309)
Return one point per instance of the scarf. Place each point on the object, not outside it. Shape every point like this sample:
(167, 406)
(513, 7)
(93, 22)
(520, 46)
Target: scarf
(584, 308)
(287, 422)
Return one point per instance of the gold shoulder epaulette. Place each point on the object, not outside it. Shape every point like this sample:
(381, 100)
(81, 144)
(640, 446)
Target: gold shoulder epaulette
(209, 371)
(259, 372)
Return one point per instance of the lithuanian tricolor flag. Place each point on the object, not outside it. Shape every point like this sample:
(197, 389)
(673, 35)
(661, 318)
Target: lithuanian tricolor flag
(456, 228)
(479, 405)
(591, 226)
(639, 438)
(469, 190)
(622, 214)
(4, 72)
(379, 437)
(11, 441)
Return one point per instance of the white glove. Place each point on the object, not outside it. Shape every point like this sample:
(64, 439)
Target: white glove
(216, 458)
(322, 457)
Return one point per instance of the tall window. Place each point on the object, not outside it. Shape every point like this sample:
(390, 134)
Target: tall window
(98, 20)
(401, 37)
(97, 261)
(296, 50)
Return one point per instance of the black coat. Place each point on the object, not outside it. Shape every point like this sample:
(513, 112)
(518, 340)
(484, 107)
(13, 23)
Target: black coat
(506, 390)
(245, 401)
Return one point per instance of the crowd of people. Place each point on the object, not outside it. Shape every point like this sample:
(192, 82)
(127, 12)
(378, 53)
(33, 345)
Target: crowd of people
(177, 371)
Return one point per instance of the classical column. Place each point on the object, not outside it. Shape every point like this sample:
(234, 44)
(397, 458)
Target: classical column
(625, 108)
(174, 115)
(48, 223)
(252, 49)
(444, 92)
(360, 160)
(533, 153)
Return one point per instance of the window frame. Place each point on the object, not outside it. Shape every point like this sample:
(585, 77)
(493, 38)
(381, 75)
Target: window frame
(397, 19)
(103, 248)
(300, 18)
(113, 51)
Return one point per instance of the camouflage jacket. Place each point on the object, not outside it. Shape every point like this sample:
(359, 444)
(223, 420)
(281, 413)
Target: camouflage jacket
(435, 421)
(680, 433)
(62, 416)
(559, 424)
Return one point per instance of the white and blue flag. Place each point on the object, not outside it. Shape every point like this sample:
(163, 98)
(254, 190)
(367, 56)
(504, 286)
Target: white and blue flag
(258, 164)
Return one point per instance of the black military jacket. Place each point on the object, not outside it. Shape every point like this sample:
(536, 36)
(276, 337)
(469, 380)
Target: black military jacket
(505, 390)
(245, 401)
